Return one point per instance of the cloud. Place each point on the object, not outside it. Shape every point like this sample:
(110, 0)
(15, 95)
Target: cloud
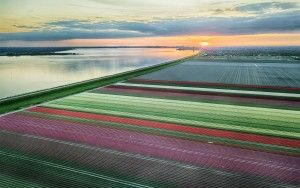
(26, 27)
(259, 7)
(66, 34)
(84, 29)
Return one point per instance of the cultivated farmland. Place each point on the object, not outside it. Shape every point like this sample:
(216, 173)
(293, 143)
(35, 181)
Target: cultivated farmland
(258, 73)
(195, 124)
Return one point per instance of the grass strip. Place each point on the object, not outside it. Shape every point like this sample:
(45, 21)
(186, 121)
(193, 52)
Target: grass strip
(33, 98)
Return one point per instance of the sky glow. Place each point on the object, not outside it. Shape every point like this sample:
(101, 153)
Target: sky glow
(148, 22)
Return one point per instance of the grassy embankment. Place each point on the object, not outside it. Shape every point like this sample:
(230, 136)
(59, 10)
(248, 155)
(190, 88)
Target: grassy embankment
(33, 98)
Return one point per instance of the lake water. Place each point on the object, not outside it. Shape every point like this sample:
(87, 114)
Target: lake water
(22, 74)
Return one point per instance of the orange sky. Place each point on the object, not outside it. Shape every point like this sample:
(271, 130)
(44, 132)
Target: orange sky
(236, 40)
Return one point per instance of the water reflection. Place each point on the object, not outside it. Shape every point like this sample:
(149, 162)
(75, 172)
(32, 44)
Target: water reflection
(24, 74)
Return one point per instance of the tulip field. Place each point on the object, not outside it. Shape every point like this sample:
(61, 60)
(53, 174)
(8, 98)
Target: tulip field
(189, 125)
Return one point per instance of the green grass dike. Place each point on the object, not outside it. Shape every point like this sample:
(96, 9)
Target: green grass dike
(33, 98)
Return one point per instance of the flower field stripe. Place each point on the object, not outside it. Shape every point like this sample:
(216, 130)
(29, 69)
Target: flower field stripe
(175, 173)
(233, 108)
(293, 96)
(191, 109)
(72, 172)
(150, 93)
(209, 94)
(246, 121)
(200, 111)
(287, 121)
(275, 133)
(195, 84)
(70, 151)
(280, 167)
(150, 115)
(183, 135)
(172, 127)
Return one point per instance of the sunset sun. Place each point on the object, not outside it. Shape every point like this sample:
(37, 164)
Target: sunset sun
(204, 44)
